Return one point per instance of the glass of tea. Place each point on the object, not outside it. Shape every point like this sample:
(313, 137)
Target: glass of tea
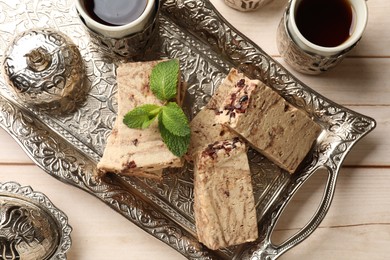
(315, 35)
(116, 18)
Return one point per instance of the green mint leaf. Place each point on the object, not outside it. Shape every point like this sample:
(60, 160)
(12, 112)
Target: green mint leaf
(174, 120)
(164, 79)
(142, 117)
(178, 145)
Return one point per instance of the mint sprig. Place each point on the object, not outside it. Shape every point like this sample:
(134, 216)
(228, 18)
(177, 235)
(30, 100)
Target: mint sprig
(172, 122)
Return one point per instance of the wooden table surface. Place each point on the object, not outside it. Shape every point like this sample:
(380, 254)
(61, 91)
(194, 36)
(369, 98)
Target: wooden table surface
(357, 225)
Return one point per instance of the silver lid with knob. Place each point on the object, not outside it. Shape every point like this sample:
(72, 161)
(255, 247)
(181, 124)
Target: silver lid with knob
(43, 67)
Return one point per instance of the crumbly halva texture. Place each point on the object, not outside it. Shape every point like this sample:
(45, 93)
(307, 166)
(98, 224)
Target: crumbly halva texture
(136, 152)
(271, 125)
(204, 128)
(224, 205)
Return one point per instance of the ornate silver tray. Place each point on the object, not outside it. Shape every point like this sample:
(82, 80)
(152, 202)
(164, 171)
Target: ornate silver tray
(68, 146)
(31, 227)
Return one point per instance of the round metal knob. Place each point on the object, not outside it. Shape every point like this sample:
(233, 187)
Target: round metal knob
(38, 59)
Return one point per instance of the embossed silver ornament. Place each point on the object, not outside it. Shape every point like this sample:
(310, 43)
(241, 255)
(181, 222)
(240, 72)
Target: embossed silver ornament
(44, 67)
(30, 226)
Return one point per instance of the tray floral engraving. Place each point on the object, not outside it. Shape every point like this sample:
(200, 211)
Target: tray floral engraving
(68, 146)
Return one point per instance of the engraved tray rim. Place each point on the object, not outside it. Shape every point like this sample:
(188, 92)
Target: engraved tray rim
(344, 129)
(28, 195)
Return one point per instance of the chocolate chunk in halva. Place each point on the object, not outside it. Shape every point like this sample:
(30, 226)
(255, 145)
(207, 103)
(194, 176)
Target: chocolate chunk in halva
(204, 129)
(271, 125)
(224, 205)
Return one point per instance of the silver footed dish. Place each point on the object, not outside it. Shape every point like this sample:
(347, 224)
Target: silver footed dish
(31, 227)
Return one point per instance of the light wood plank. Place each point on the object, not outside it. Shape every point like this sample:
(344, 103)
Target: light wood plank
(344, 243)
(356, 81)
(260, 26)
(11, 152)
(376, 38)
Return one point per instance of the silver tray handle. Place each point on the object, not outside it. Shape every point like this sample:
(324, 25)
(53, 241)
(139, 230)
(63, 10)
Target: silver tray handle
(266, 250)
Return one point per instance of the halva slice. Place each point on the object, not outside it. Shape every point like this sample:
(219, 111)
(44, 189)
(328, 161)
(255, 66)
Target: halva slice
(278, 130)
(224, 205)
(129, 151)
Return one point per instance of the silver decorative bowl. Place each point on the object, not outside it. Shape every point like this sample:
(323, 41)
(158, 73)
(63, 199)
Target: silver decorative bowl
(43, 67)
(31, 227)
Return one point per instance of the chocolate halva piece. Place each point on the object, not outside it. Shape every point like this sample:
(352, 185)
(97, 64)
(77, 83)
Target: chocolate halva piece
(224, 205)
(271, 125)
(136, 152)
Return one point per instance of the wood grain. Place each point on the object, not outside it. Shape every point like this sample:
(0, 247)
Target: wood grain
(357, 225)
